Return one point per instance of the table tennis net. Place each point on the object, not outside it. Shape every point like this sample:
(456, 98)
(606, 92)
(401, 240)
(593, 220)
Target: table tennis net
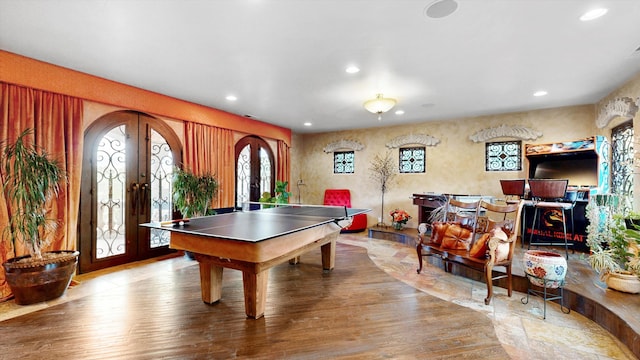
(304, 210)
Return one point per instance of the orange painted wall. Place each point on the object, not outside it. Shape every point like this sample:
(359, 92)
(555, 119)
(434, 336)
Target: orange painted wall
(20, 70)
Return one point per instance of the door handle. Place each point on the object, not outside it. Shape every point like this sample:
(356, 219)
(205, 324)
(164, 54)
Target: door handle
(144, 200)
(135, 192)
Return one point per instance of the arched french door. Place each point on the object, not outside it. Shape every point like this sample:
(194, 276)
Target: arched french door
(127, 173)
(255, 169)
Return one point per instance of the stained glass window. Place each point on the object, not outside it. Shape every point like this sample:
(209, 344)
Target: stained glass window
(503, 156)
(343, 162)
(412, 160)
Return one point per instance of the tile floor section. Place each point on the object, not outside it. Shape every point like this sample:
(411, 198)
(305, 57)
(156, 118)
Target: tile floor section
(520, 328)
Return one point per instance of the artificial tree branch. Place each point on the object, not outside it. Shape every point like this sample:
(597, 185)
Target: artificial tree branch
(382, 171)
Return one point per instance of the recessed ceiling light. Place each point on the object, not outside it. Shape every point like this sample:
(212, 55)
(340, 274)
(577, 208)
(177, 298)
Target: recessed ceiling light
(593, 14)
(352, 69)
(231, 98)
(399, 112)
(307, 124)
(540, 93)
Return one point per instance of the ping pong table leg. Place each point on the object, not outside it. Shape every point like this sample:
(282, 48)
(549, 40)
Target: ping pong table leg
(329, 254)
(255, 292)
(210, 282)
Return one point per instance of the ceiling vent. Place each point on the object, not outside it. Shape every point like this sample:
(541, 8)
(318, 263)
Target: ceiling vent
(440, 8)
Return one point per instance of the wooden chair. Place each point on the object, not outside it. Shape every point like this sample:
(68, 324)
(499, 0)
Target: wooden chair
(548, 195)
(495, 251)
(514, 191)
(462, 212)
(452, 211)
(508, 217)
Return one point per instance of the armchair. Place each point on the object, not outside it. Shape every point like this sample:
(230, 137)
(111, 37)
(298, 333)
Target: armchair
(342, 197)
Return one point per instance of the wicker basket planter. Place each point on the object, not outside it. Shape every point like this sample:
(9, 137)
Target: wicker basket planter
(623, 281)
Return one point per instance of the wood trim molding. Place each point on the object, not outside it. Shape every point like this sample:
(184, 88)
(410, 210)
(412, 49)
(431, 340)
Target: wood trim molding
(343, 144)
(623, 107)
(411, 139)
(516, 131)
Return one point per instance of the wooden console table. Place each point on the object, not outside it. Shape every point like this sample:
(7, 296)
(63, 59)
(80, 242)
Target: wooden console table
(427, 203)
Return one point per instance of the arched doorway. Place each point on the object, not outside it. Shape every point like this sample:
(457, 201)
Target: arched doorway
(126, 180)
(255, 169)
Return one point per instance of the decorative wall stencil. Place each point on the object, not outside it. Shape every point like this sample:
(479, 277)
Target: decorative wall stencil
(624, 107)
(516, 131)
(343, 145)
(413, 139)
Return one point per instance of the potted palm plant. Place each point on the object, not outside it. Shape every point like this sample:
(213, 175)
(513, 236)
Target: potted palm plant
(192, 194)
(614, 247)
(30, 181)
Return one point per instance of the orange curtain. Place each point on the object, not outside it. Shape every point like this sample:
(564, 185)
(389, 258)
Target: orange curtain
(209, 149)
(284, 160)
(56, 121)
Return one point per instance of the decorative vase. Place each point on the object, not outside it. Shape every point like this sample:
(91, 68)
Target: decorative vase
(38, 281)
(545, 267)
(623, 281)
(398, 225)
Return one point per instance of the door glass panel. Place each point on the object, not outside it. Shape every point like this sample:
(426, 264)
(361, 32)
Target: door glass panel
(265, 171)
(243, 170)
(161, 177)
(111, 192)
(622, 155)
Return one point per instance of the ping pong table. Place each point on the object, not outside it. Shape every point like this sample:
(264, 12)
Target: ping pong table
(255, 241)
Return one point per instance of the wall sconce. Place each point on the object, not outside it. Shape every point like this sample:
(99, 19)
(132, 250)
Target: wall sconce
(379, 105)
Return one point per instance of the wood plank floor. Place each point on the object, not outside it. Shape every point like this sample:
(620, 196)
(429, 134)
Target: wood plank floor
(356, 311)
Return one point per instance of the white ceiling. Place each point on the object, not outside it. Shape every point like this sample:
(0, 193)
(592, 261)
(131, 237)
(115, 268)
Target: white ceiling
(285, 60)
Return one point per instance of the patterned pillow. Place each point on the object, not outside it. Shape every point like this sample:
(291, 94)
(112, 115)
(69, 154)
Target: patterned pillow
(456, 236)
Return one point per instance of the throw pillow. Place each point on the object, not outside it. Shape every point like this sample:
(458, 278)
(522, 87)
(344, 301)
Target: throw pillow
(437, 231)
(456, 237)
(480, 247)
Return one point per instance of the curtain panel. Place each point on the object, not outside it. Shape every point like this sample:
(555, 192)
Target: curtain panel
(56, 121)
(284, 160)
(209, 149)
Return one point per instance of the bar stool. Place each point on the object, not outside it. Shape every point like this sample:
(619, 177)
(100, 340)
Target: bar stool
(549, 194)
(514, 191)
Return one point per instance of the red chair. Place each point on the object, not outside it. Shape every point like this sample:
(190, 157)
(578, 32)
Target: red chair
(342, 197)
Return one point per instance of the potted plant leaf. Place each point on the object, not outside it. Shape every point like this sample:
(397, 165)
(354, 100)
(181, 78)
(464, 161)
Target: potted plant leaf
(31, 179)
(614, 247)
(281, 195)
(192, 194)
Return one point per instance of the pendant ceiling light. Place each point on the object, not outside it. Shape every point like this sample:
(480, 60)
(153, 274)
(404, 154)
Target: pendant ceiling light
(379, 105)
